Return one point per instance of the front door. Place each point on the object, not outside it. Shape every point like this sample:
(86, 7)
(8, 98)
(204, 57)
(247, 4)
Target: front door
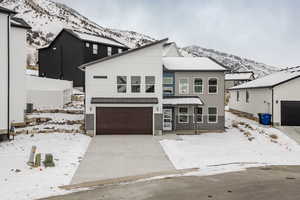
(167, 119)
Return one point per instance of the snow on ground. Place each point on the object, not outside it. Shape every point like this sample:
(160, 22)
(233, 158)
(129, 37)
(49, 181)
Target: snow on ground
(244, 144)
(32, 183)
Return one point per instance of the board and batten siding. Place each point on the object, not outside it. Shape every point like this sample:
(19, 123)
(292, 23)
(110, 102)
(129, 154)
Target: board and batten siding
(3, 71)
(289, 91)
(260, 101)
(17, 74)
(143, 62)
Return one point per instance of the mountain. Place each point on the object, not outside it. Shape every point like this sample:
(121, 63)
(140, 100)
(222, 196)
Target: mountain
(233, 62)
(47, 18)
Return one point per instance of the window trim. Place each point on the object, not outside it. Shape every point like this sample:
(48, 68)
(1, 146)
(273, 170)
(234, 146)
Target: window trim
(150, 84)
(211, 114)
(217, 85)
(188, 85)
(87, 45)
(122, 84)
(187, 114)
(194, 78)
(131, 84)
(198, 114)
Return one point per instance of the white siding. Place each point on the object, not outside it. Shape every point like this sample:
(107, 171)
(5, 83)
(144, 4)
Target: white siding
(48, 93)
(289, 91)
(171, 51)
(3, 71)
(144, 62)
(260, 101)
(17, 74)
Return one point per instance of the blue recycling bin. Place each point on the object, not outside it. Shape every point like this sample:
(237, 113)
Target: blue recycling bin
(266, 119)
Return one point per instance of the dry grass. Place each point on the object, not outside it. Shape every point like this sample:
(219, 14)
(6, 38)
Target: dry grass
(273, 136)
(235, 124)
(247, 134)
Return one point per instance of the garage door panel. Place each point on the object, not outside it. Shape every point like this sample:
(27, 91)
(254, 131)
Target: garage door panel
(290, 113)
(124, 120)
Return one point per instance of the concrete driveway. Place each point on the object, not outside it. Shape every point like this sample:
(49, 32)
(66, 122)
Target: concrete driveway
(113, 156)
(292, 131)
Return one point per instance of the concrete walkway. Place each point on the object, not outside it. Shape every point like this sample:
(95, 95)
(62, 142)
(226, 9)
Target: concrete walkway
(292, 131)
(113, 156)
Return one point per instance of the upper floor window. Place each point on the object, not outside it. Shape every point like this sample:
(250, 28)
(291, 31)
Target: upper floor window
(121, 84)
(95, 49)
(87, 45)
(198, 85)
(212, 115)
(213, 86)
(109, 51)
(183, 115)
(168, 91)
(150, 84)
(168, 80)
(120, 50)
(237, 96)
(247, 96)
(198, 114)
(183, 86)
(135, 84)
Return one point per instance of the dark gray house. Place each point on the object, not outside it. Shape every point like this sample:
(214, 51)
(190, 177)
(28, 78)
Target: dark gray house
(70, 49)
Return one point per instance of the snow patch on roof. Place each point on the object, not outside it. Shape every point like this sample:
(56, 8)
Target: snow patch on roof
(191, 64)
(238, 76)
(182, 101)
(272, 79)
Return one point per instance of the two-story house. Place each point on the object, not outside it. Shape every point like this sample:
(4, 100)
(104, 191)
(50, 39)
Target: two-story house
(144, 91)
(71, 48)
(12, 69)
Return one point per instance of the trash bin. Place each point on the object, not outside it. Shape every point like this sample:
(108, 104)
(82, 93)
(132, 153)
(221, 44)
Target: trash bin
(266, 119)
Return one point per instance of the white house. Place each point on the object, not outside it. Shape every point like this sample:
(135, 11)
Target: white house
(46, 93)
(238, 78)
(277, 94)
(122, 94)
(12, 71)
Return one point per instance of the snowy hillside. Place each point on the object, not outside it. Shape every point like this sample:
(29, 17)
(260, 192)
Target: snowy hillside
(233, 62)
(47, 18)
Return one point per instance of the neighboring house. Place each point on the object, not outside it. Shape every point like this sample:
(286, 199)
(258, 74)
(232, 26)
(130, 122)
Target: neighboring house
(12, 72)
(142, 92)
(170, 49)
(277, 94)
(238, 78)
(70, 49)
(46, 93)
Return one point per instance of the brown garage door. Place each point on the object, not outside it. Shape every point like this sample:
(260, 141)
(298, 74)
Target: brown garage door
(124, 121)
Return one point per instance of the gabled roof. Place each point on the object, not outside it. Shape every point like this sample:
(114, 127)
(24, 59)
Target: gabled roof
(82, 67)
(7, 11)
(237, 76)
(89, 38)
(168, 46)
(271, 80)
(191, 64)
(18, 22)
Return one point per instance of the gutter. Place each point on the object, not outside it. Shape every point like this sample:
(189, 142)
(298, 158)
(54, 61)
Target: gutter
(8, 76)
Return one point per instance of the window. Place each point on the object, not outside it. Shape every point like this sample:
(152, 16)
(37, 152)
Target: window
(122, 84)
(237, 96)
(168, 90)
(183, 86)
(183, 116)
(213, 86)
(109, 51)
(135, 84)
(198, 115)
(212, 115)
(87, 45)
(150, 84)
(198, 85)
(120, 50)
(95, 49)
(247, 96)
(168, 80)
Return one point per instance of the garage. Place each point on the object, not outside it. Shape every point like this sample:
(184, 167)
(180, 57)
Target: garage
(124, 120)
(290, 113)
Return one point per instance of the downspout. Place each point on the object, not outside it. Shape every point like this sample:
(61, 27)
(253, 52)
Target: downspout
(272, 106)
(8, 76)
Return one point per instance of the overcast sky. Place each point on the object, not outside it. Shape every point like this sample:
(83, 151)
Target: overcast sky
(264, 30)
